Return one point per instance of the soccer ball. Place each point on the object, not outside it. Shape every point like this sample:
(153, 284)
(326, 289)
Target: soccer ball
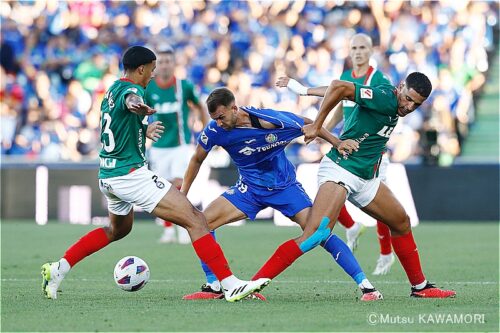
(131, 273)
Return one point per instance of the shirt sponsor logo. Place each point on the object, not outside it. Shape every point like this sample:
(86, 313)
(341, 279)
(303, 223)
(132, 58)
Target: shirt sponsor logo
(366, 93)
(204, 137)
(270, 138)
(246, 151)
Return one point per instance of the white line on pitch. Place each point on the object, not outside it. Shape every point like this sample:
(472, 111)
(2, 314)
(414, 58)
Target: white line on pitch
(279, 281)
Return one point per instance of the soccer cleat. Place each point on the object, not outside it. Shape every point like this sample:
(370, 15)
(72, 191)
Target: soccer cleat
(51, 279)
(384, 264)
(244, 289)
(207, 292)
(431, 291)
(352, 235)
(168, 236)
(370, 295)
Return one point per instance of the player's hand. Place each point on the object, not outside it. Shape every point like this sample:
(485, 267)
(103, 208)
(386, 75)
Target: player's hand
(346, 147)
(155, 130)
(311, 132)
(293, 85)
(282, 81)
(141, 109)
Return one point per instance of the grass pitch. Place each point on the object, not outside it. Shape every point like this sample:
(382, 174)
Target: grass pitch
(312, 295)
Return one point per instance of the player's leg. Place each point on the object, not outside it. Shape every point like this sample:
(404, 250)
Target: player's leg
(120, 226)
(221, 211)
(386, 258)
(329, 200)
(385, 207)
(344, 257)
(175, 207)
(353, 230)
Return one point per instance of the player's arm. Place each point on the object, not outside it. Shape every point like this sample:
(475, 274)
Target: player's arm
(136, 105)
(344, 147)
(336, 92)
(299, 89)
(338, 115)
(193, 168)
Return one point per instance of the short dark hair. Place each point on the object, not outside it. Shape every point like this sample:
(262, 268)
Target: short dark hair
(136, 56)
(420, 83)
(218, 97)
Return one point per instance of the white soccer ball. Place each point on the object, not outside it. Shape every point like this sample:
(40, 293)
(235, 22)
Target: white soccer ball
(131, 273)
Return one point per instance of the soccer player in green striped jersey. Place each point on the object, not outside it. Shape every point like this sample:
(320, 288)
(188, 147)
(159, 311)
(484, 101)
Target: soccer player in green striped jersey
(174, 100)
(360, 51)
(353, 177)
(126, 181)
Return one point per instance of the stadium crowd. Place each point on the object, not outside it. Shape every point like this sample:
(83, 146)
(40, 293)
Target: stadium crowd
(58, 58)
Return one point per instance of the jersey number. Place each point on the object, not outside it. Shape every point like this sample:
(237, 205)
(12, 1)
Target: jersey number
(386, 131)
(111, 138)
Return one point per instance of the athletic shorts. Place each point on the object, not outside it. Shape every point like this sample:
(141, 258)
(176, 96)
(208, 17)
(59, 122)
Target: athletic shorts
(172, 162)
(141, 187)
(360, 192)
(382, 169)
(251, 200)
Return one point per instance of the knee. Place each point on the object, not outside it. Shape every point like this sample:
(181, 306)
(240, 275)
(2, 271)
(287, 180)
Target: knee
(196, 221)
(116, 233)
(403, 227)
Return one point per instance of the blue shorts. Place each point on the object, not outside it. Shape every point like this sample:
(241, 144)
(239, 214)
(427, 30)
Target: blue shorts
(251, 200)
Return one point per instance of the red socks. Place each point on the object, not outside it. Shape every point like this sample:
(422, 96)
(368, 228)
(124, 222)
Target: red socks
(345, 218)
(407, 252)
(284, 256)
(85, 246)
(384, 238)
(209, 251)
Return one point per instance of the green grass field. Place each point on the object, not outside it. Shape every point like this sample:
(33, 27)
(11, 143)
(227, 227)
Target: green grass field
(312, 295)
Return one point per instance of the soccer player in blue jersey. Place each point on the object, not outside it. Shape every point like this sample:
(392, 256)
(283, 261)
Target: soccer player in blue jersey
(255, 139)
(355, 178)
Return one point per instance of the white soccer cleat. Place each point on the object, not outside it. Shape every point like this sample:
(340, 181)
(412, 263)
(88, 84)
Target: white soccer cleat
(51, 279)
(245, 288)
(384, 264)
(352, 235)
(183, 236)
(168, 235)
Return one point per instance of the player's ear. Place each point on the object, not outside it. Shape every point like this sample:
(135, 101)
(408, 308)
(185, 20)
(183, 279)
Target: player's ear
(141, 69)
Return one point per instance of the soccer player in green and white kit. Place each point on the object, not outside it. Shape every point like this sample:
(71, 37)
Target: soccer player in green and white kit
(173, 99)
(360, 51)
(353, 177)
(126, 181)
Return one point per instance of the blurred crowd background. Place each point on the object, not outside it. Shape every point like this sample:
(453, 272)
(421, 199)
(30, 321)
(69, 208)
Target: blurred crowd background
(58, 58)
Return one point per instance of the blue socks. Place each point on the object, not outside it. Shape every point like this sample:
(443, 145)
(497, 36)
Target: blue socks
(344, 257)
(211, 278)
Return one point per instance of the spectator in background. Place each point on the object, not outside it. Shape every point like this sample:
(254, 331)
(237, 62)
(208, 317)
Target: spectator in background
(242, 44)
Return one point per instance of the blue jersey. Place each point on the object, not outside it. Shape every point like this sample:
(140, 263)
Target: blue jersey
(258, 153)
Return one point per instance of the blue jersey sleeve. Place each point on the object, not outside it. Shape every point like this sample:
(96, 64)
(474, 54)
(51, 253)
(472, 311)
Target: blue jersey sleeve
(209, 137)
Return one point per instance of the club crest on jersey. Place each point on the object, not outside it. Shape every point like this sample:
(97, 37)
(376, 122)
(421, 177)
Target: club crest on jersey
(204, 137)
(270, 138)
(366, 93)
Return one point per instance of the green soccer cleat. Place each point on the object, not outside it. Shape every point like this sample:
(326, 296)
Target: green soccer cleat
(51, 279)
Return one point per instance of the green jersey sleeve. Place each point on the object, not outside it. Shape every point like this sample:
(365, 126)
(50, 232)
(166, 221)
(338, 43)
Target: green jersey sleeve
(381, 99)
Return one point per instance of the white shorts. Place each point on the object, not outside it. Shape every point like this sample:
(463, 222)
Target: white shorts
(360, 192)
(141, 187)
(382, 169)
(172, 162)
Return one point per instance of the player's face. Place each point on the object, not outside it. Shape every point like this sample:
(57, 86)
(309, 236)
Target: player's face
(408, 100)
(166, 65)
(225, 116)
(147, 73)
(360, 50)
